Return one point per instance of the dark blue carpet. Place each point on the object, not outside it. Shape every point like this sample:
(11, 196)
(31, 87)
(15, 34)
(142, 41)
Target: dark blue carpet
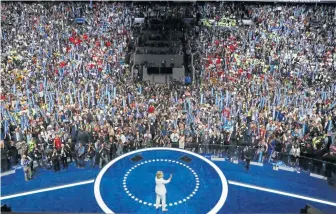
(240, 200)
(70, 200)
(15, 183)
(292, 182)
(244, 200)
(140, 182)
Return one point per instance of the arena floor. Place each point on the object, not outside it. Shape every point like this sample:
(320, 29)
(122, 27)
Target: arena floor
(126, 185)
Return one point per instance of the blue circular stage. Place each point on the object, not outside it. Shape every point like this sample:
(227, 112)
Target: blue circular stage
(127, 184)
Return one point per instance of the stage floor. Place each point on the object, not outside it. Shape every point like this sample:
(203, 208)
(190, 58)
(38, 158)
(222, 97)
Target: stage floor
(126, 185)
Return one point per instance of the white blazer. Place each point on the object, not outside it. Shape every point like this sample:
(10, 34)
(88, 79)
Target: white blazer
(160, 187)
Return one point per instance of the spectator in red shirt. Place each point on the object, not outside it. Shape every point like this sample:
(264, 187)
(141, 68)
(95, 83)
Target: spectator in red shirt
(151, 109)
(57, 142)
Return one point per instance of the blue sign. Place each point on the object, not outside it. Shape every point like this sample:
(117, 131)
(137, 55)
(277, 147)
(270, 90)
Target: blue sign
(80, 20)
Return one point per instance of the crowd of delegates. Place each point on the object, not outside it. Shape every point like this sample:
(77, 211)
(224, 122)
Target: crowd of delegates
(276, 74)
(68, 94)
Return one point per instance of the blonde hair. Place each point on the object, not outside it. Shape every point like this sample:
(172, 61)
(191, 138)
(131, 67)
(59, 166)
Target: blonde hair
(159, 174)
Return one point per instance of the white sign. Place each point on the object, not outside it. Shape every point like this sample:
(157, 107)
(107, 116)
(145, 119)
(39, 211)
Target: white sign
(139, 20)
(247, 22)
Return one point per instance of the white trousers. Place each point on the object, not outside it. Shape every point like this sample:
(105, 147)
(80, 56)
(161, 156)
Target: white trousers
(181, 145)
(161, 198)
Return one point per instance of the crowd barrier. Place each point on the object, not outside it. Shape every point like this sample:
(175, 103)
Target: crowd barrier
(320, 168)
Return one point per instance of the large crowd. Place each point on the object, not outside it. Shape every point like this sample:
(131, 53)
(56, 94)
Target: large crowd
(279, 74)
(67, 90)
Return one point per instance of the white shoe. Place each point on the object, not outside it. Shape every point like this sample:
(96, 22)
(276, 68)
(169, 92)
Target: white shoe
(164, 210)
(157, 207)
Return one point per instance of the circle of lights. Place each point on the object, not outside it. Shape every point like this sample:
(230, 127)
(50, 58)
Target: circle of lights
(160, 160)
(224, 184)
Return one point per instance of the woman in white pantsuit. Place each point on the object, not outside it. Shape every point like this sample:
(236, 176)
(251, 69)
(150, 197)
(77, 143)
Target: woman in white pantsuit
(160, 190)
